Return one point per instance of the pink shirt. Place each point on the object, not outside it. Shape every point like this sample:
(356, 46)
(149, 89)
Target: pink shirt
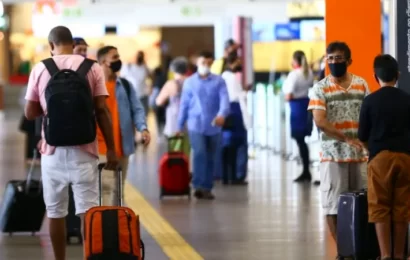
(37, 83)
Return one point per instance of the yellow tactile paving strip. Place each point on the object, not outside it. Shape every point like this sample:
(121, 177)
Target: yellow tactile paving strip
(171, 242)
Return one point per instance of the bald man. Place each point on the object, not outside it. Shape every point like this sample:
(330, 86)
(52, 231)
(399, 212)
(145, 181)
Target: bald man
(68, 165)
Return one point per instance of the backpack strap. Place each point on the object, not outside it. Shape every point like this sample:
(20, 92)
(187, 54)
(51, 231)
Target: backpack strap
(51, 66)
(85, 67)
(126, 86)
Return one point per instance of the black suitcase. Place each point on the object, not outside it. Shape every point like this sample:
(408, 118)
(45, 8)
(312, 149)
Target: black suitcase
(356, 238)
(73, 222)
(23, 208)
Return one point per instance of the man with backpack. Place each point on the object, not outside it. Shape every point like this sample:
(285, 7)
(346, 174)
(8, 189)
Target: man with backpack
(127, 113)
(69, 91)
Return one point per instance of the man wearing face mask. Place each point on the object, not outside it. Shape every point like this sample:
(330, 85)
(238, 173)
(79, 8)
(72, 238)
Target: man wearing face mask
(335, 102)
(204, 106)
(80, 46)
(127, 113)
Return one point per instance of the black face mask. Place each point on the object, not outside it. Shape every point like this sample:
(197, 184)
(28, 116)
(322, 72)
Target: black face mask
(238, 68)
(115, 66)
(338, 69)
(140, 60)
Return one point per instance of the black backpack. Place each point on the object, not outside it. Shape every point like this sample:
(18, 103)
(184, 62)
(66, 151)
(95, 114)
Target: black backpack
(70, 119)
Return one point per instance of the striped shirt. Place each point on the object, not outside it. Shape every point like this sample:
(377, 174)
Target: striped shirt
(342, 108)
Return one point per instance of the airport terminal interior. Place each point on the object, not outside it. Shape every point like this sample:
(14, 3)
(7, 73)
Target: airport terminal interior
(271, 217)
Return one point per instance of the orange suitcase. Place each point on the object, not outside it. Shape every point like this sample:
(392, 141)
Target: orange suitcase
(112, 232)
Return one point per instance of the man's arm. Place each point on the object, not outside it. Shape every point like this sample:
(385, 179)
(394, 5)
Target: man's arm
(138, 111)
(104, 121)
(223, 100)
(364, 123)
(186, 96)
(323, 124)
(32, 108)
(163, 95)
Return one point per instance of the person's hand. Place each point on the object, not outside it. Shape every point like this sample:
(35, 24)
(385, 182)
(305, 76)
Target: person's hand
(146, 137)
(355, 143)
(219, 121)
(112, 161)
(179, 134)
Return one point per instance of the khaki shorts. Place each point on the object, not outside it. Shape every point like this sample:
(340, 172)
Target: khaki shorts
(389, 187)
(336, 178)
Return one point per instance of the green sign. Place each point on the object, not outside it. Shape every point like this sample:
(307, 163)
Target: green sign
(191, 11)
(72, 12)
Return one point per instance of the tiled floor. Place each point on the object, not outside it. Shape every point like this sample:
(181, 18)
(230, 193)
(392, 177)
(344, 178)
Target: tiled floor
(272, 218)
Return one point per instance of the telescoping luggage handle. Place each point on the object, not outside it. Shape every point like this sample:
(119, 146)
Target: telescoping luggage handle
(31, 171)
(120, 196)
(179, 143)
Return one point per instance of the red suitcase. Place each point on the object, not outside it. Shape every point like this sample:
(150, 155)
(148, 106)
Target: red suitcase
(174, 176)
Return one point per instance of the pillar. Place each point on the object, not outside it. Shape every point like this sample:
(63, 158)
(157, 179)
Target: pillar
(358, 23)
(400, 17)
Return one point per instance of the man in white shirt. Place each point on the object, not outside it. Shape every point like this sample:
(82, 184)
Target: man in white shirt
(138, 74)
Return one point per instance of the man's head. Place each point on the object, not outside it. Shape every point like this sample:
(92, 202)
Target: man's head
(61, 41)
(80, 46)
(338, 56)
(204, 62)
(109, 59)
(386, 70)
(179, 65)
(234, 63)
(140, 57)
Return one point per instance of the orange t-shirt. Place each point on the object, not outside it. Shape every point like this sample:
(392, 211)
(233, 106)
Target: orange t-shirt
(112, 106)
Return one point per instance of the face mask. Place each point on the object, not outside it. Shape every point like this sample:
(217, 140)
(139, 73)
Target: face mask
(238, 68)
(203, 70)
(338, 69)
(115, 66)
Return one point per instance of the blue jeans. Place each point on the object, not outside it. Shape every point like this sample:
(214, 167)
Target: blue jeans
(205, 151)
(242, 161)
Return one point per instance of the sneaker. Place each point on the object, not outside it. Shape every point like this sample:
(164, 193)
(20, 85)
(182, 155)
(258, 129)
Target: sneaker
(198, 194)
(207, 195)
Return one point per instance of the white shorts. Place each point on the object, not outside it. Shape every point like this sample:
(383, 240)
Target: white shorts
(69, 166)
(336, 178)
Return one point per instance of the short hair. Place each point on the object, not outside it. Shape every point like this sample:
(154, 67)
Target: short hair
(103, 51)
(206, 55)
(339, 46)
(60, 35)
(231, 58)
(179, 65)
(386, 68)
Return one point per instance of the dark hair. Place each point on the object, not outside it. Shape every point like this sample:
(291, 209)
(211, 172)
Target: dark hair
(231, 58)
(103, 51)
(386, 68)
(206, 55)
(339, 46)
(300, 58)
(179, 65)
(60, 35)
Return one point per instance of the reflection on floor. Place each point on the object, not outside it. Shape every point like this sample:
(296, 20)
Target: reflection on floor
(272, 218)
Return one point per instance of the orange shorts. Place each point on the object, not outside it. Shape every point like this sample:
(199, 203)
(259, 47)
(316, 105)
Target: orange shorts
(389, 187)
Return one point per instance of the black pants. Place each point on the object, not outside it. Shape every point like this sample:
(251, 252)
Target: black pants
(229, 154)
(303, 152)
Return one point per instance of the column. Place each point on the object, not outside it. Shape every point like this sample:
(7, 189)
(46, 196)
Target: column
(358, 23)
(401, 18)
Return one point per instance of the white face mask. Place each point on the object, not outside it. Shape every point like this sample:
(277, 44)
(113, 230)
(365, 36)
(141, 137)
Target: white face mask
(203, 70)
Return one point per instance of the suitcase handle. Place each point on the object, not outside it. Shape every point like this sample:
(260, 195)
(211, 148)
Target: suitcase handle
(101, 167)
(30, 173)
(176, 139)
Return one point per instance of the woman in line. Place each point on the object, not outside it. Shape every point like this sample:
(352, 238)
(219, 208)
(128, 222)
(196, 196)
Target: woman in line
(170, 96)
(234, 133)
(296, 88)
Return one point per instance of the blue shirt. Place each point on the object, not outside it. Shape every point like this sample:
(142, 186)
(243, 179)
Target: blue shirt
(131, 116)
(203, 99)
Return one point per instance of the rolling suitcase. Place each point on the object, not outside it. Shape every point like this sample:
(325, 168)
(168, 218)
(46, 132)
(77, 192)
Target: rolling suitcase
(23, 208)
(174, 175)
(356, 238)
(72, 221)
(112, 232)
